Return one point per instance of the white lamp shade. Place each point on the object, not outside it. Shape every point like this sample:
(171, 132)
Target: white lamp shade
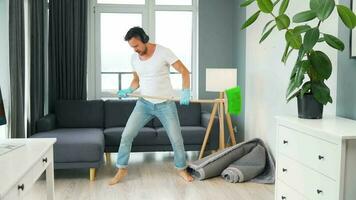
(220, 79)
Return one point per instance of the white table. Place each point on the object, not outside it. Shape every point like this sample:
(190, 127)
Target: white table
(20, 168)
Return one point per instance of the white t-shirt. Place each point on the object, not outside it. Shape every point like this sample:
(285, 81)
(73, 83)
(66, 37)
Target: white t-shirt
(154, 73)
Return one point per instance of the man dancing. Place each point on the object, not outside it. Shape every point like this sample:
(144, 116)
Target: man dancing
(151, 65)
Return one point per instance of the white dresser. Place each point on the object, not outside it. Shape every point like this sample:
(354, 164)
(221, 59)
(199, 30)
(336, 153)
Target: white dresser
(20, 168)
(316, 159)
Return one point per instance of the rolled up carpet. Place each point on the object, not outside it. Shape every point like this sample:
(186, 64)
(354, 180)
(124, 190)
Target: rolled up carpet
(247, 167)
(214, 164)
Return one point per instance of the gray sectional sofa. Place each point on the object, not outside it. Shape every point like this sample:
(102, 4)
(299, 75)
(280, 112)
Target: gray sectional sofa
(86, 129)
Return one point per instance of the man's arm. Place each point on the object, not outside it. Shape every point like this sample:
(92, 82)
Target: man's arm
(135, 83)
(179, 66)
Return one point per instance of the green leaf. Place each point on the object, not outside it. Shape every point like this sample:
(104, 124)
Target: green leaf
(293, 83)
(283, 7)
(285, 53)
(266, 26)
(334, 42)
(282, 22)
(294, 40)
(321, 39)
(265, 35)
(347, 16)
(301, 29)
(276, 2)
(299, 76)
(321, 63)
(246, 3)
(265, 6)
(311, 38)
(294, 95)
(301, 53)
(291, 87)
(289, 52)
(250, 20)
(330, 99)
(304, 16)
(313, 74)
(305, 88)
(322, 8)
(294, 71)
(321, 92)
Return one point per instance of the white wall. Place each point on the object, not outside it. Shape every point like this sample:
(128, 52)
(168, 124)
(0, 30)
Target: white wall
(267, 77)
(4, 61)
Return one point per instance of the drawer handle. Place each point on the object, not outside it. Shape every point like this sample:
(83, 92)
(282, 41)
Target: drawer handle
(283, 197)
(284, 169)
(285, 141)
(21, 187)
(319, 191)
(44, 160)
(321, 157)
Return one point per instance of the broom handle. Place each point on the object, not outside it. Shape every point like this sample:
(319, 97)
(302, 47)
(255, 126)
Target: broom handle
(175, 99)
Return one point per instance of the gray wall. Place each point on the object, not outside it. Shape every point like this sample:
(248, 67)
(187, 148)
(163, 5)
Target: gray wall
(221, 44)
(346, 79)
(216, 24)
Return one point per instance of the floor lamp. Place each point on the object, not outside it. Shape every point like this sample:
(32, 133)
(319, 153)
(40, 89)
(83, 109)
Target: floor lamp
(218, 80)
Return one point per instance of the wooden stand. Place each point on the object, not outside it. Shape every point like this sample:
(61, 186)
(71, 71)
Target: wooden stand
(221, 111)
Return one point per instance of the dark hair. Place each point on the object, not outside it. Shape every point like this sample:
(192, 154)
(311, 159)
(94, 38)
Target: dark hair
(137, 32)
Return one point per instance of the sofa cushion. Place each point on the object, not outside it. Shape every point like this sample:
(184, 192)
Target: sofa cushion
(117, 112)
(191, 135)
(76, 145)
(188, 115)
(79, 114)
(146, 136)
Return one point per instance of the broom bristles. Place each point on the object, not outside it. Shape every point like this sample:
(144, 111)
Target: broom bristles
(233, 98)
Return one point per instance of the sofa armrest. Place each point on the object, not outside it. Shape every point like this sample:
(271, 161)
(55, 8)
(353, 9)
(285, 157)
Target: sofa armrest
(46, 123)
(213, 142)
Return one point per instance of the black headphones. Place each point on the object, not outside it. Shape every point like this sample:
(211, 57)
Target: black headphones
(144, 37)
(137, 32)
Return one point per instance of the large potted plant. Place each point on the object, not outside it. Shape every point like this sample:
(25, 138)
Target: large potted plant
(312, 93)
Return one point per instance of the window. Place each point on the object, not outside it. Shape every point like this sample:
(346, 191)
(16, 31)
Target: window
(171, 23)
(173, 2)
(121, 1)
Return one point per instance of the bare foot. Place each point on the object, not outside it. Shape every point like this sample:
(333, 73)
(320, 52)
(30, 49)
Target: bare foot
(120, 174)
(185, 175)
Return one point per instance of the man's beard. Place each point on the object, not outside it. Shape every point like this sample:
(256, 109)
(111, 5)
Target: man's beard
(144, 51)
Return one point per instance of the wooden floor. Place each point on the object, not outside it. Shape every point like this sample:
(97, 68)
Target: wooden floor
(151, 176)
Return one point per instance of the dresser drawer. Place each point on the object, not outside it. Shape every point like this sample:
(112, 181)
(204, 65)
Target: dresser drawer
(25, 184)
(21, 188)
(316, 153)
(306, 181)
(284, 192)
(42, 164)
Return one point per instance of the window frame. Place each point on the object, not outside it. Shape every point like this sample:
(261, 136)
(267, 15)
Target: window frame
(148, 23)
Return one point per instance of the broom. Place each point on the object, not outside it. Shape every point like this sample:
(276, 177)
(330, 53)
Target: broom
(232, 99)
(212, 101)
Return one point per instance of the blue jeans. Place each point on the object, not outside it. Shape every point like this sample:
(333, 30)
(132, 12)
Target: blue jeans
(143, 112)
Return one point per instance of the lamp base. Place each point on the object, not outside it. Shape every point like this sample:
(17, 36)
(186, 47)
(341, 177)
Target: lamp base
(220, 107)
